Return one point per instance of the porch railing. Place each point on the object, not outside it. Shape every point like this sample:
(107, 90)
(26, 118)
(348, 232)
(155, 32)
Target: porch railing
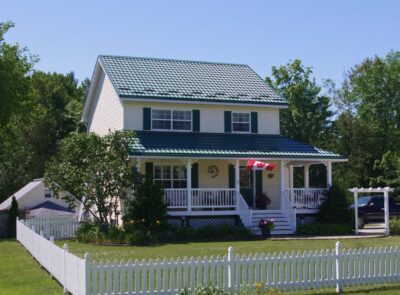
(207, 198)
(305, 198)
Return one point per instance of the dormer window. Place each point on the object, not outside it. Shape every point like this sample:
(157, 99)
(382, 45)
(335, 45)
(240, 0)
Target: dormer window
(47, 193)
(171, 120)
(241, 122)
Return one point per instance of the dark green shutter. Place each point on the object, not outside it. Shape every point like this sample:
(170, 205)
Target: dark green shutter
(254, 122)
(228, 121)
(231, 176)
(149, 170)
(196, 120)
(259, 188)
(195, 175)
(146, 118)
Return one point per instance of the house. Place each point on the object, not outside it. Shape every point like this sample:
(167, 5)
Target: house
(35, 195)
(197, 125)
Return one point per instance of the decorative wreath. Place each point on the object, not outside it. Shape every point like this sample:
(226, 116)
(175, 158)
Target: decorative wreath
(213, 170)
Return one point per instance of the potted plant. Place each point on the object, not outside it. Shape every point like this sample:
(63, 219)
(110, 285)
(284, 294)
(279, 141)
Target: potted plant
(266, 226)
(262, 201)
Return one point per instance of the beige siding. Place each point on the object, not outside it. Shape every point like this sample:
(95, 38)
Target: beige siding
(211, 116)
(108, 110)
(272, 186)
(220, 181)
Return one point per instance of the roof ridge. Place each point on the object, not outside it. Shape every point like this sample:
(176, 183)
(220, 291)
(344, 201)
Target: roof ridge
(173, 60)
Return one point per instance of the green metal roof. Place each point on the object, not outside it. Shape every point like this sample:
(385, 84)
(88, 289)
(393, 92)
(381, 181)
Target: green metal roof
(183, 144)
(152, 78)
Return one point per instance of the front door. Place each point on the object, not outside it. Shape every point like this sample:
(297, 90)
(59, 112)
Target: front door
(246, 185)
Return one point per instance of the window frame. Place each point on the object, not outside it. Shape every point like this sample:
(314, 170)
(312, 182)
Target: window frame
(232, 122)
(172, 120)
(172, 179)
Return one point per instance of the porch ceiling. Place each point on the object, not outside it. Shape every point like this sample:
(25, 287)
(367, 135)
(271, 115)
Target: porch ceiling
(232, 145)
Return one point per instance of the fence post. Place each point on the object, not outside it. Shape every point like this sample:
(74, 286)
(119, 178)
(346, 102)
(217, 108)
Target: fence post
(65, 269)
(338, 261)
(231, 267)
(87, 273)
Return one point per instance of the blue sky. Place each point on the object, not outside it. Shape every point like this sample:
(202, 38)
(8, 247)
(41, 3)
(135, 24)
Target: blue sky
(330, 36)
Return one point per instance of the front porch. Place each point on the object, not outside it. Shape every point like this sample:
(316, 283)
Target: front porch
(224, 187)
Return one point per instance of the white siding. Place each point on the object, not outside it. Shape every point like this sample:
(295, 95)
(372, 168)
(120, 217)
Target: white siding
(211, 116)
(268, 122)
(107, 108)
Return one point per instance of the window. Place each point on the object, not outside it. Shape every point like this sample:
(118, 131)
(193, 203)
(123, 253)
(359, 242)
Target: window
(170, 176)
(171, 120)
(47, 193)
(241, 122)
(244, 177)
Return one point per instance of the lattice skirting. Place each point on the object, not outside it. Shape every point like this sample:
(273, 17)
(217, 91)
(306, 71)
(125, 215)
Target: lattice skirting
(201, 221)
(305, 219)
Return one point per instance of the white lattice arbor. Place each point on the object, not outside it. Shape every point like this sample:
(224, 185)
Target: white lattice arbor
(383, 190)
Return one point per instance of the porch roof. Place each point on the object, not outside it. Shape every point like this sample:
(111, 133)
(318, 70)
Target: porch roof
(233, 145)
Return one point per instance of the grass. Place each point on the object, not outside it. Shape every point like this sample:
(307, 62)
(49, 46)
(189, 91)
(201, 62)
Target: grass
(218, 248)
(21, 274)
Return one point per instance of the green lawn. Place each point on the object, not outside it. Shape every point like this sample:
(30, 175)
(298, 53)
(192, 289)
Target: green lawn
(218, 248)
(20, 274)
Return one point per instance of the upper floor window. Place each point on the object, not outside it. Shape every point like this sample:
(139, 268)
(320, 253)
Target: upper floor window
(171, 119)
(241, 122)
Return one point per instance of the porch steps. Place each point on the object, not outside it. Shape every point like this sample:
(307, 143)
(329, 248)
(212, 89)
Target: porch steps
(281, 221)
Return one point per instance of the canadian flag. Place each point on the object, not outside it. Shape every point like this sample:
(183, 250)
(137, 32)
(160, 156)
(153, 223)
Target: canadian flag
(257, 165)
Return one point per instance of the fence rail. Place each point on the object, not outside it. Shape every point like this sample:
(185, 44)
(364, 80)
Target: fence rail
(60, 227)
(295, 271)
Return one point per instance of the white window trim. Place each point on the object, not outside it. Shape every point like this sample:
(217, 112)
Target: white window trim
(249, 113)
(172, 120)
(172, 173)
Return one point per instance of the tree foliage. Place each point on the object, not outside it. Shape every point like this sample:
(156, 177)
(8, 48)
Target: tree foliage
(307, 117)
(146, 211)
(95, 171)
(38, 110)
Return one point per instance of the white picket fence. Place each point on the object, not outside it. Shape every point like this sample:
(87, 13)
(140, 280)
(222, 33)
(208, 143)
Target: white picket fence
(60, 227)
(71, 271)
(334, 268)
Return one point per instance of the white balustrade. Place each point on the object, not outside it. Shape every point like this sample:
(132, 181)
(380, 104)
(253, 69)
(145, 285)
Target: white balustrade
(213, 198)
(176, 198)
(305, 198)
(206, 198)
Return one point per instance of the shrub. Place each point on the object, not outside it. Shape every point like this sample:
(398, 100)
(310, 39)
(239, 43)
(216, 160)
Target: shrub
(91, 232)
(324, 229)
(140, 238)
(87, 232)
(335, 207)
(394, 226)
(12, 218)
(146, 211)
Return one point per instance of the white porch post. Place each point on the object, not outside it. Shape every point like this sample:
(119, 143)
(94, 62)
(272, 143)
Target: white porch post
(386, 202)
(283, 186)
(356, 211)
(189, 184)
(237, 183)
(306, 175)
(329, 174)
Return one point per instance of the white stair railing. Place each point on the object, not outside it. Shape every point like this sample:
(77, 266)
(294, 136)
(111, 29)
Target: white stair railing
(245, 213)
(289, 209)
